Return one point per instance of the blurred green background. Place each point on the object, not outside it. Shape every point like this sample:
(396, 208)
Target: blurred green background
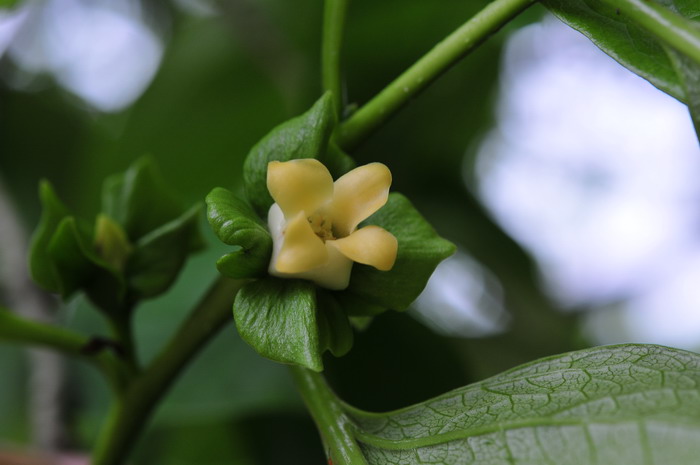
(230, 71)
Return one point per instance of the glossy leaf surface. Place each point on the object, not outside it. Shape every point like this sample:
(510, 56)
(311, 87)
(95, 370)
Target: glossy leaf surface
(236, 224)
(420, 251)
(626, 405)
(624, 39)
(277, 317)
(305, 136)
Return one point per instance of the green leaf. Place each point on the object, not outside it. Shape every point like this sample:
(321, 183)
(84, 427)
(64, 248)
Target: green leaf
(420, 251)
(159, 255)
(9, 3)
(79, 267)
(236, 224)
(337, 161)
(139, 199)
(305, 136)
(277, 317)
(622, 405)
(354, 305)
(621, 31)
(689, 73)
(41, 267)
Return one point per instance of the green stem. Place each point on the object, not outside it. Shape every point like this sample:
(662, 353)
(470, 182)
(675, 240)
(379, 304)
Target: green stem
(131, 411)
(124, 336)
(333, 25)
(673, 29)
(331, 421)
(16, 329)
(438, 60)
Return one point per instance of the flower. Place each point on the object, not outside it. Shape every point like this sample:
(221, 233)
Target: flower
(314, 221)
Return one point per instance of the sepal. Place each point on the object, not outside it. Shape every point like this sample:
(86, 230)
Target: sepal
(420, 251)
(278, 318)
(305, 136)
(235, 223)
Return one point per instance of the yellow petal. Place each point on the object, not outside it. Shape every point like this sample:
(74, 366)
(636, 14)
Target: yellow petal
(299, 185)
(357, 195)
(370, 245)
(301, 250)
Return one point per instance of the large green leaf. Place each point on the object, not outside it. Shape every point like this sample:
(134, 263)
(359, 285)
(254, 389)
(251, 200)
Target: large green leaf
(236, 224)
(621, 30)
(305, 136)
(277, 317)
(622, 405)
(420, 251)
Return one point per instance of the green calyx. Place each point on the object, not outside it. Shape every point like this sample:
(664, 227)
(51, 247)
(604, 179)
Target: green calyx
(290, 320)
(134, 250)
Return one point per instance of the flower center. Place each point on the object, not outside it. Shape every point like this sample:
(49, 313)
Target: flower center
(322, 226)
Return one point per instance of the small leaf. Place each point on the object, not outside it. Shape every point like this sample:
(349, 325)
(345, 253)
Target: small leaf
(159, 255)
(420, 251)
(79, 267)
(305, 136)
(41, 267)
(277, 317)
(622, 405)
(236, 224)
(139, 199)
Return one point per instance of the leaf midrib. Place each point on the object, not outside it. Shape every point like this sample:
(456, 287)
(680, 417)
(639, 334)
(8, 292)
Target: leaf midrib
(406, 444)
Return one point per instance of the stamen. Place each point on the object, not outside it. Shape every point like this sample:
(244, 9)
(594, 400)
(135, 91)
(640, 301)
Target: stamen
(322, 226)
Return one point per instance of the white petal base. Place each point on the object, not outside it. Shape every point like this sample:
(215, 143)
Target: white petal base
(334, 274)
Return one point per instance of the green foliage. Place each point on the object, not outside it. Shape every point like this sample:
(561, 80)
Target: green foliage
(626, 405)
(41, 266)
(305, 136)
(235, 223)
(139, 199)
(623, 38)
(277, 317)
(160, 254)
(589, 402)
(334, 326)
(9, 3)
(420, 251)
(689, 73)
(136, 250)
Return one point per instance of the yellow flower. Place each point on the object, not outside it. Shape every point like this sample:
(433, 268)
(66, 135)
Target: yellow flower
(314, 221)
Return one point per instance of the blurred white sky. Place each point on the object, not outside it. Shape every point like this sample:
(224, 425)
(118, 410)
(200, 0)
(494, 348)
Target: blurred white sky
(595, 172)
(101, 51)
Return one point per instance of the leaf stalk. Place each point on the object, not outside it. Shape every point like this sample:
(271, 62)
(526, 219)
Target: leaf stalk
(332, 422)
(428, 68)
